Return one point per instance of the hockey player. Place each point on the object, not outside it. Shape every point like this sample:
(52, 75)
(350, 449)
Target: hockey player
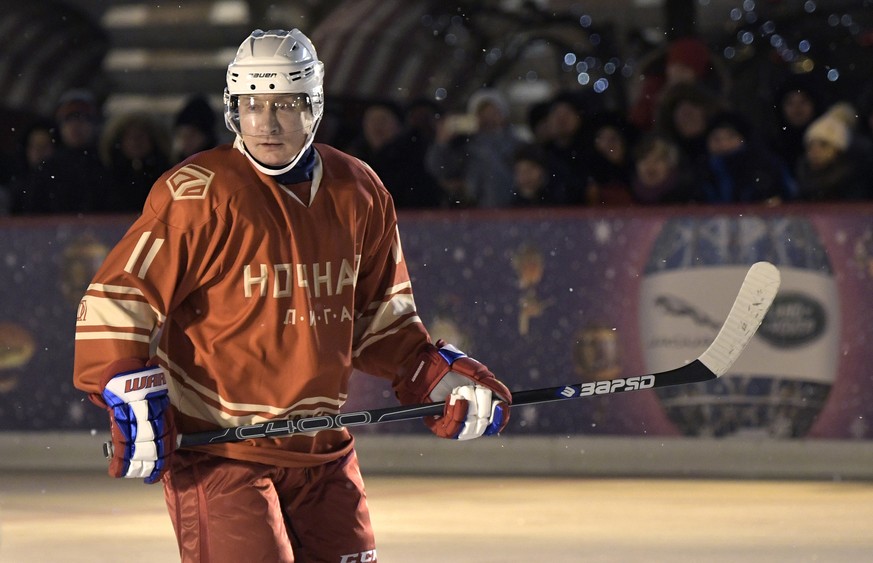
(257, 277)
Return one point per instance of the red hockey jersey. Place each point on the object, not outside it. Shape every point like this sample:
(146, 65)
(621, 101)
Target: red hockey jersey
(258, 305)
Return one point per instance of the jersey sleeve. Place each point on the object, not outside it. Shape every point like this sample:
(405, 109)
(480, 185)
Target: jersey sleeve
(163, 257)
(388, 330)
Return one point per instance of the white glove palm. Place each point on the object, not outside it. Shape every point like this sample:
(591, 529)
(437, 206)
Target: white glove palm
(480, 410)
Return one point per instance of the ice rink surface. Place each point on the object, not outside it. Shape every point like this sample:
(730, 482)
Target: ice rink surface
(87, 517)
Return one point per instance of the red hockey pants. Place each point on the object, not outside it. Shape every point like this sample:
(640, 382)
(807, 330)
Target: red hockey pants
(225, 510)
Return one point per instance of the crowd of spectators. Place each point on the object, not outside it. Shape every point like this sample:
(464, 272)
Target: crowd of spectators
(76, 162)
(697, 148)
(679, 141)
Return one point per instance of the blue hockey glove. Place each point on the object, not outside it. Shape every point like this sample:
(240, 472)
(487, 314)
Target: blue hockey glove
(141, 424)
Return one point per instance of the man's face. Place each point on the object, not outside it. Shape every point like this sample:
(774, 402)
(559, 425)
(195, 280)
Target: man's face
(530, 178)
(655, 167)
(798, 108)
(78, 131)
(40, 147)
(380, 125)
(274, 126)
(490, 117)
(610, 144)
(820, 154)
(564, 121)
(689, 119)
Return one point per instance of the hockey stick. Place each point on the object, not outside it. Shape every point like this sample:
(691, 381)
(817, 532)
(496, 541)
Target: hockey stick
(754, 299)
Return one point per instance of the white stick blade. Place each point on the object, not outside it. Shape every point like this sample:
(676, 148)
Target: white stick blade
(752, 303)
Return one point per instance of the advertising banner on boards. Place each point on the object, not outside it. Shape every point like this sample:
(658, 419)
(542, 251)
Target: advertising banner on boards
(546, 298)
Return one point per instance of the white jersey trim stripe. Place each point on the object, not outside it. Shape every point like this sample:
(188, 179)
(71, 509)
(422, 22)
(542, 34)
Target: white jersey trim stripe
(386, 312)
(273, 410)
(374, 338)
(118, 313)
(391, 293)
(122, 289)
(110, 335)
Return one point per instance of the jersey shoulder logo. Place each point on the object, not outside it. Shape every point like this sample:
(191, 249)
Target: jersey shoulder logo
(190, 182)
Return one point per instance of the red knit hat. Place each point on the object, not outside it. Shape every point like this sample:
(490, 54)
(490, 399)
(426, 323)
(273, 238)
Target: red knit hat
(691, 52)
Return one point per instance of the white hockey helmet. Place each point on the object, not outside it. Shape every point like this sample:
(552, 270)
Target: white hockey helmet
(275, 62)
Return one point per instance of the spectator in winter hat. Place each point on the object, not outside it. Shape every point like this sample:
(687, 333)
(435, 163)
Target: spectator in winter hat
(396, 153)
(78, 118)
(487, 153)
(566, 143)
(685, 60)
(796, 104)
(829, 131)
(134, 149)
(827, 172)
(72, 180)
(193, 129)
(38, 146)
(738, 166)
(534, 183)
(381, 123)
(538, 121)
(609, 160)
(688, 60)
(683, 115)
(416, 186)
(490, 108)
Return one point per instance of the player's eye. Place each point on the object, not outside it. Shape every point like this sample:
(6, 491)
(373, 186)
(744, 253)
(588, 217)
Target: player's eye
(254, 105)
(293, 103)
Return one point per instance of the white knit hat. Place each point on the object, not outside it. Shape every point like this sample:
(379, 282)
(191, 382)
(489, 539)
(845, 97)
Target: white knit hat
(829, 129)
(488, 95)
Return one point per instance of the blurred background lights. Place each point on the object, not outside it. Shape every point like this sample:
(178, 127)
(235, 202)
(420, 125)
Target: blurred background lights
(600, 85)
(495, 53)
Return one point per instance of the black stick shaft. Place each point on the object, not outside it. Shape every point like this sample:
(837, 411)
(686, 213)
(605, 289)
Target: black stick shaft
(691, 373)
